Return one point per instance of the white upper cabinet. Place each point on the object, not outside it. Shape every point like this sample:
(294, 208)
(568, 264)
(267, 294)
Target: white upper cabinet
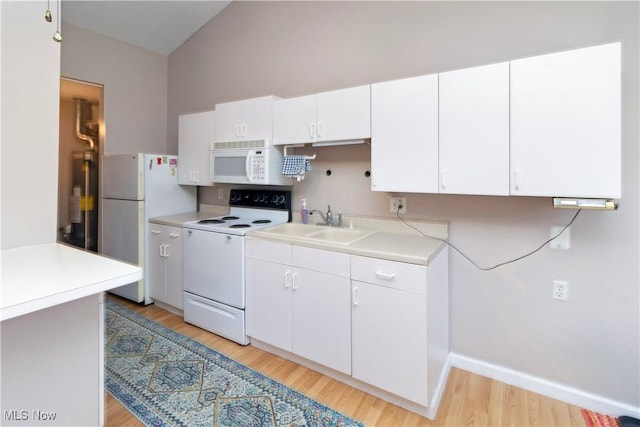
(196, 132)
(404, 135)
(338, 115)
(474, 130)
(294, 120)
(566, 123)
(344, 114)
(246, 120)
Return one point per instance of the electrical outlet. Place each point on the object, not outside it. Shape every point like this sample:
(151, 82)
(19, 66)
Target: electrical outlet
(560, 290)
(398, 202)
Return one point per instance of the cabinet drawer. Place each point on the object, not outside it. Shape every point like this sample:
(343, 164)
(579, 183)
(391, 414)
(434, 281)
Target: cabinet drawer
(268, 251)
(335, 263)
(408, 277)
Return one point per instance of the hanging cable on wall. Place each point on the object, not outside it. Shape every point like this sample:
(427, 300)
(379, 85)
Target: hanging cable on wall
(475, 264)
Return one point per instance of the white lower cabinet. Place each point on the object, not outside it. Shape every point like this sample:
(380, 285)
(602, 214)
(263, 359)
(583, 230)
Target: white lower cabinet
(305, 311)
(268, 310)
(389, 327)
(383, 324)
(165, 264)
(400, 327)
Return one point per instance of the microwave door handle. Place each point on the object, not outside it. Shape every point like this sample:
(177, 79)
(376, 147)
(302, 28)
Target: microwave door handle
(247, 166)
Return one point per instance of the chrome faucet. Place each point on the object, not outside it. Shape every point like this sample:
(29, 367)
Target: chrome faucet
(328, 219)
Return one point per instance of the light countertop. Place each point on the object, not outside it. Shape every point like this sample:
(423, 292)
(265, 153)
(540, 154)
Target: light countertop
(41, 276)
(388, 239)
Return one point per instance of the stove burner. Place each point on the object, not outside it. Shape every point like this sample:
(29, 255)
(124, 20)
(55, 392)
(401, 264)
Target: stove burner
(230, 218)
(261, 221)
(211, 221)
(239, 226)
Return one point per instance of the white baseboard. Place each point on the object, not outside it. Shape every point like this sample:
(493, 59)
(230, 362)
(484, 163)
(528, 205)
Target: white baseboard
(545, 387)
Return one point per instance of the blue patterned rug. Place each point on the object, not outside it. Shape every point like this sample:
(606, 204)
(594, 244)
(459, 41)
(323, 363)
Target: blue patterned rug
(167, 379)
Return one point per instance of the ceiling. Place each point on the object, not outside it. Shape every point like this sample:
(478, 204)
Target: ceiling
(159, 26)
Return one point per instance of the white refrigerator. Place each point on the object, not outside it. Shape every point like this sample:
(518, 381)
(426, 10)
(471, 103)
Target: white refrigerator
(136, 187)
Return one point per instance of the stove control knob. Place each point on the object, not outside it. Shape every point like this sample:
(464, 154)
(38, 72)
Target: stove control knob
(281, 199)
(274, 199)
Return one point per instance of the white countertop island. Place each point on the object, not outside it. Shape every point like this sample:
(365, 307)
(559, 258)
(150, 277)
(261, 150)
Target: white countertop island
(52, 332)
(41, 276)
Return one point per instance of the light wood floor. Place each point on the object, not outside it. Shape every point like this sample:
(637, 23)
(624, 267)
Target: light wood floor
(469, 399)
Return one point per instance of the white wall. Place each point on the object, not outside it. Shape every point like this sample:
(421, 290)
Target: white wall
(29, 117)
(504, 317)
(135, 88)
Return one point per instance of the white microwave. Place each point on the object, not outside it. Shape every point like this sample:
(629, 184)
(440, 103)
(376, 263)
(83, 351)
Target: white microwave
(248, 166)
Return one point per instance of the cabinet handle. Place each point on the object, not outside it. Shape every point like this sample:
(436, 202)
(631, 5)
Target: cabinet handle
(312, 130)
(237, 131)
(166, 251)
(444, 174)
(293, 284)
(385, 276)
(155, 232)
(354, 295)
(162, 250)
(516, 177)
(243, 130)
(287, 274)
(375, 178)
(174, 235)
(319, 129)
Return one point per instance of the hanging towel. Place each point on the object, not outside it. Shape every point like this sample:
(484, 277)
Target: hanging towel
(295, 166)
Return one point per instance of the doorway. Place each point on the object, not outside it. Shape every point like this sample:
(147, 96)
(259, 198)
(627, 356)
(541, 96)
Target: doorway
(80, 147)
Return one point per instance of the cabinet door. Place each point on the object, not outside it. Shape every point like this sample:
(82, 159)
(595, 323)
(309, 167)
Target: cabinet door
(389, 340)
(173, 257)
(404, 135)
(196, 132)
(474, 130)
(257, 118)
(322, 319)
(227, 121)
(294, 120)
(344, 114)
(268, 303)
(156, 262)
(565, 123)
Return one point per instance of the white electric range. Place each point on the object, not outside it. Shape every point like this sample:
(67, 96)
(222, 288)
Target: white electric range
(214, 263)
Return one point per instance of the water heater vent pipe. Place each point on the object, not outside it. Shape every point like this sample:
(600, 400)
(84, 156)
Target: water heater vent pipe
(90, 142)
